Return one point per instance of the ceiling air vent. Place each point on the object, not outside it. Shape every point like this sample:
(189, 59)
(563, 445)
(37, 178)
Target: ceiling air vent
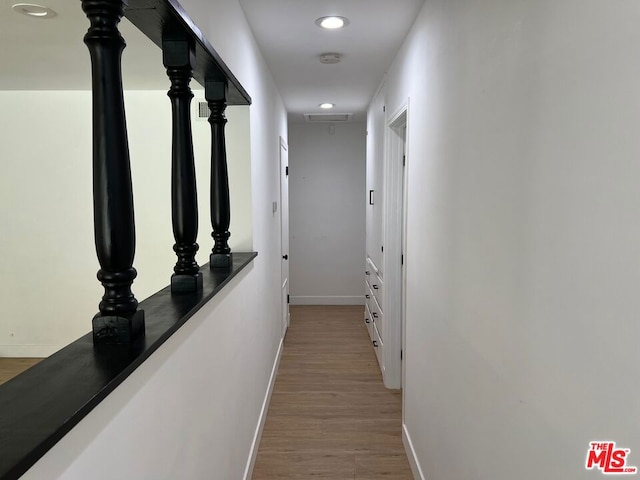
(328, 117)
(330, 58)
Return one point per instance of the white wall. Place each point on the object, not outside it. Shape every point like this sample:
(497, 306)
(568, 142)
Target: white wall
(197, 401)
(47, 215)
(327, 215)
(523, 235)
(189, 412)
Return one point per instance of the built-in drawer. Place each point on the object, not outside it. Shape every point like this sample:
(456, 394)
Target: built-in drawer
(369, 273)
(368, 296)
(377, 346)
(371, 267)
(377, 315)
(368, 321)
(367, 284)
(376, 288)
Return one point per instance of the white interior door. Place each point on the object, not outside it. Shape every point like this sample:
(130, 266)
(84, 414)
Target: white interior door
(284, 227)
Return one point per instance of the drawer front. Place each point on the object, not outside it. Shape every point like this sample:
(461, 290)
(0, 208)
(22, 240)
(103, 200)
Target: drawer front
(368, 296)
(376, 288)
(368, 321)
(369, 275)
(370, 267)
(377, 346)
(377, 315)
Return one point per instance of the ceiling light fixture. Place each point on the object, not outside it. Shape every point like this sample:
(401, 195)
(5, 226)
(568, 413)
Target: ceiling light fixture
(331, 23)
(326, 106)
(33, 10)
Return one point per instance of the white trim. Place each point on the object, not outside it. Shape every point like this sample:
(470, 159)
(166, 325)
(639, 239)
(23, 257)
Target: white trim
(405, 223)
(29, 351)
(392, 119)
(393, 237)
(285, 244)
(253, 453)
(341, 300)
(416, 470)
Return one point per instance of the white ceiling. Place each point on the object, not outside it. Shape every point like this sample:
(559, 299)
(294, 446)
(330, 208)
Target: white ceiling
(291, 44)
(41, 54)
(49, 54)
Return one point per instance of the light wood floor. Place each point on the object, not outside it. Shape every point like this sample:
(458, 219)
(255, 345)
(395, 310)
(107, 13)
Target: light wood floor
(10, 367)
(330, 415)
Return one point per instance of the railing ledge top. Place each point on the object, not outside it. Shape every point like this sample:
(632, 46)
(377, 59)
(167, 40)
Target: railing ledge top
(40, 406)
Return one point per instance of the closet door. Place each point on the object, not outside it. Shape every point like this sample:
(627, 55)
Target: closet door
(375, 178)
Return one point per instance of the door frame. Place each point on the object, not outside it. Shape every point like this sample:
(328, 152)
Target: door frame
(396, 161)
(284, 221)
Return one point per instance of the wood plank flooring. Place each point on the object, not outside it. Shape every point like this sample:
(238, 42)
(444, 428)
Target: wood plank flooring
(330, 415)
(10, 367)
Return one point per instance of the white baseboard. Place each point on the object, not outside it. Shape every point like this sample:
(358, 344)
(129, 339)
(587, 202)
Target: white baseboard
(338, 300)
(411, 455)
(28, 351)
(253, 453)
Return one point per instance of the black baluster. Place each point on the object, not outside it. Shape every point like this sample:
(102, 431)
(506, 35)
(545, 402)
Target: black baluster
(216, 95)
(118, 321)
(179, 59)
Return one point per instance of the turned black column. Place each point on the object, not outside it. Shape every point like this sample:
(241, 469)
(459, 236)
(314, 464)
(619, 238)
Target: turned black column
(118, 321)
(179, 59)
(216, 95)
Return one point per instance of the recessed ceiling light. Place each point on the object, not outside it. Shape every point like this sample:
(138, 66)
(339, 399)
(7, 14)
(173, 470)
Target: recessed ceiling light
(33, 10)
(327, 106)
(332, 23)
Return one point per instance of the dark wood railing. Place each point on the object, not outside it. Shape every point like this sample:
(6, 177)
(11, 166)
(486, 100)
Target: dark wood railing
(119, 319)
(40, 406)
(179, 58)
(216, 95)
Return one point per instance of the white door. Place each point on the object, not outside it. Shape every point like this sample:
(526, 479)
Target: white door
(284, 228)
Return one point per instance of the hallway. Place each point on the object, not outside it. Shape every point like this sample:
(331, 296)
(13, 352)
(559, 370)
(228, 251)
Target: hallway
(330, 416)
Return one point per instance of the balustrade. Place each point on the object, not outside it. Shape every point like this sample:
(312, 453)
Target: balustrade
(186, 55)
(78, 377)
(216, 96)
(119, 320)
(179, 58)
